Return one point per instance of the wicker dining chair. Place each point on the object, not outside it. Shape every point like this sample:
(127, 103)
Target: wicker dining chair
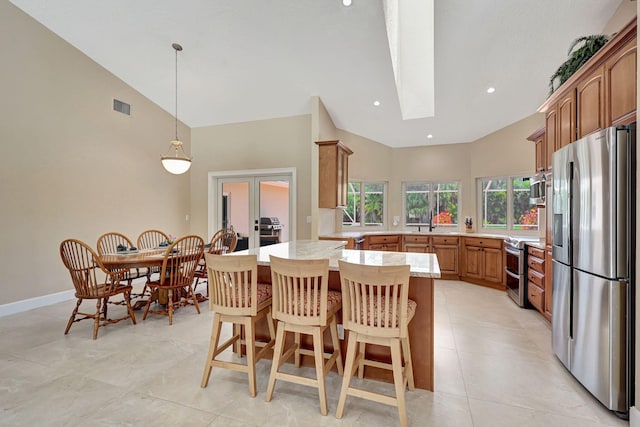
(176, 276)
(376, 309)
(223, 241)
(108, 243)
(237, 298)
(303, 304)
(85, 266)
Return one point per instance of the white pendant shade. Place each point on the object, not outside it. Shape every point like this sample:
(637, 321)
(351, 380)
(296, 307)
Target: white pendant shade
(176, 166)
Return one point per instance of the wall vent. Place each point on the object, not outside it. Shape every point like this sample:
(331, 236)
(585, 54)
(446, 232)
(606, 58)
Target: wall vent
(122, 107)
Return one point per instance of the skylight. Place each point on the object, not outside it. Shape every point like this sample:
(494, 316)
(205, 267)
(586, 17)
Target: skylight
(410, 31)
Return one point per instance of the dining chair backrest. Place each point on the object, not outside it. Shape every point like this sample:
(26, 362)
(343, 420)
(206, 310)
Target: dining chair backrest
(108, 242)
(223, 241)
(181, 260)
(300, 290)
(374, 299)
(151, 239)
(86, 269)
(233, 284)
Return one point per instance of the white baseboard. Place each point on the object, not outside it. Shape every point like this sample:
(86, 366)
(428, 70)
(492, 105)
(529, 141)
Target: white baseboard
(634, 417)
(31, 303)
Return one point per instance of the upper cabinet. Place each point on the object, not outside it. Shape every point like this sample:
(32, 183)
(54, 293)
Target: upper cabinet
(333, 174)
(538, 137)
(600, 94)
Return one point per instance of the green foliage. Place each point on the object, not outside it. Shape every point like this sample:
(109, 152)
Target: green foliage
(577, 58)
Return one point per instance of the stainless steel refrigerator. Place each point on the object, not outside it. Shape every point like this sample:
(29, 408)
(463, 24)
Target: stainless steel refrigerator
(593, 218)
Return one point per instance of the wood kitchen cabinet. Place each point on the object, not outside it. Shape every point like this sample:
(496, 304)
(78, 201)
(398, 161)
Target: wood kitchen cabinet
(538, 138)
(333, 167)
(482, 261)
(390, 242)
(420, 244)
(447, 249)
(600, 94)
(536, 277)
(620, 72)
(590, 101)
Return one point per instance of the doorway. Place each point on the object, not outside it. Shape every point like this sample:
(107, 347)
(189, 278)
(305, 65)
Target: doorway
(258, 205)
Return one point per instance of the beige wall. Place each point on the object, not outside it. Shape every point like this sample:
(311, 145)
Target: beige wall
(621, 17)
(505, 152)
(265, 144)
(71, 166)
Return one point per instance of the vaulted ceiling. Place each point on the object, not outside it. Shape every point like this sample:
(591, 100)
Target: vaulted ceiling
(246, 60)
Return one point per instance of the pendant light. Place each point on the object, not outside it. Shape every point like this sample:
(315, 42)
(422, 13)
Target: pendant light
(174, 162)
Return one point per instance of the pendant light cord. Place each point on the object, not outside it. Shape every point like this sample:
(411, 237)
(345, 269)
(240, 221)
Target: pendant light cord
(176, 92)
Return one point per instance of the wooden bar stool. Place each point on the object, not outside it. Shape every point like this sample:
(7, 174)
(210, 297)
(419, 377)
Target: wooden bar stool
(377, 310)
(238, 298)
(303, 304)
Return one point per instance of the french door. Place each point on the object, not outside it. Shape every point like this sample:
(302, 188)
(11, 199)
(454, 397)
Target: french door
(260, 207)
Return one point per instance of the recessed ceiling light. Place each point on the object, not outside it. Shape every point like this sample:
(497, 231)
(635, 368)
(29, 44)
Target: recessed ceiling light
(346, 3)
(376, 103)
(491, 90)
(429, 136)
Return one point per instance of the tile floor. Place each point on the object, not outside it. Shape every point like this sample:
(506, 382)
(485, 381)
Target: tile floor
(494, 367)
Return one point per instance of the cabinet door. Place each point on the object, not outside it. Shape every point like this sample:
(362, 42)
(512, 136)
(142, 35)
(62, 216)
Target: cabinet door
(447, 258)
(550, 135)
(566, 120)
(392, 247)
(492, 266)
(541, 158)
(590, 103)
(548, 284)
(620, 76)
(375, 246)
(472, 262)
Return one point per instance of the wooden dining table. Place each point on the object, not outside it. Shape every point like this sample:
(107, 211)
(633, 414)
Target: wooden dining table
(143, 258)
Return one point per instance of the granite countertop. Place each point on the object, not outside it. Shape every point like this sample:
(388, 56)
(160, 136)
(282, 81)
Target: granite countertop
(422, 265)
(436, 232)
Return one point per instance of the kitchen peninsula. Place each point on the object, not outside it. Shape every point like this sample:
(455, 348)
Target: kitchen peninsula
(424, 268)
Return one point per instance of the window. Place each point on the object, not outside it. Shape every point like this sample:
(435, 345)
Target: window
(505, 204)
(423, 199)
(364, 198)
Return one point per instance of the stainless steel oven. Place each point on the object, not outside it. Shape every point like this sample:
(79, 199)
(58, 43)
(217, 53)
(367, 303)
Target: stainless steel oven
(515, 268)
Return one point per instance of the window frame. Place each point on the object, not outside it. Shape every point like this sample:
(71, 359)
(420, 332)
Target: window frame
(431, 203)
(385, 208)
(509, 230)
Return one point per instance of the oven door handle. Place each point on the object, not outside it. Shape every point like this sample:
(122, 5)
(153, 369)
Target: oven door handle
(511, 251)
(512, 274)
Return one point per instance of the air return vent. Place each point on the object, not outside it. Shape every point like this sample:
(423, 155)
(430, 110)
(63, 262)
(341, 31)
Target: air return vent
(122, 107)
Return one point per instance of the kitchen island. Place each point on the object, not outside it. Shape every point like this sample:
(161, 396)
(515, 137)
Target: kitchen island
(424, 268)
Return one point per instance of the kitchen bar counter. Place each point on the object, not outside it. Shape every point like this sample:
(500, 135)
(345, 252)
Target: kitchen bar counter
(424, 268)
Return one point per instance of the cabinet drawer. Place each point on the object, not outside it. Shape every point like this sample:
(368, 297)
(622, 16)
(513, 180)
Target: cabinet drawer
(536, 264)
(536, 297)
(445, 240)
(417, 239)
(536, 278)
(483, 242)
(383, 239)
(538, 253)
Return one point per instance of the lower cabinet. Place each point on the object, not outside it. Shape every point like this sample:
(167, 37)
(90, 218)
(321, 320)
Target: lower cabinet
(447, 249)
(537, 279)
(482, 261)
(390, 242)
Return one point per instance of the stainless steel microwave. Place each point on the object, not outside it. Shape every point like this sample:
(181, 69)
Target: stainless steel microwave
(537, 190)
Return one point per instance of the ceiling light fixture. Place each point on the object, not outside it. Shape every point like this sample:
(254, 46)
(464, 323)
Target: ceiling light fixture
(346, 3)
(376, 103)
(491, 90)
(429, 136)
(176, 164)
